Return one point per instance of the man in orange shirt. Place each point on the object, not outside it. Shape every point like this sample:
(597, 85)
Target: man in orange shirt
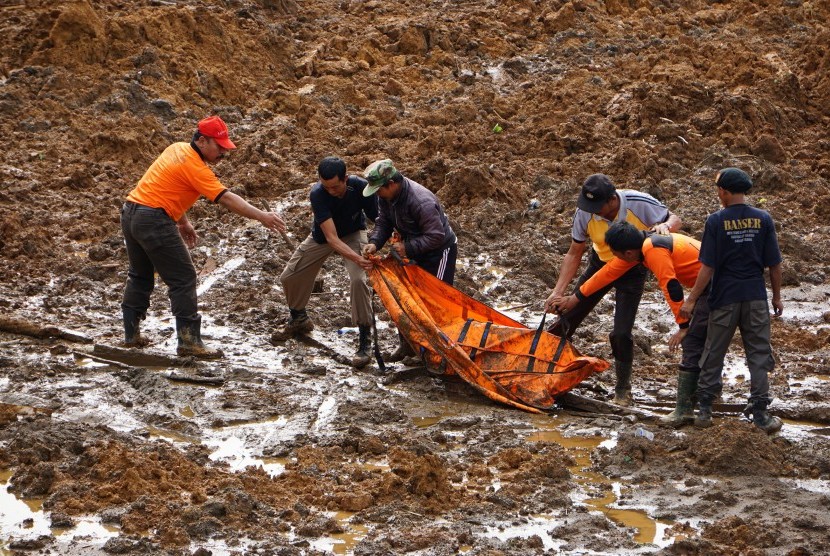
(158, 234)
(674, 261)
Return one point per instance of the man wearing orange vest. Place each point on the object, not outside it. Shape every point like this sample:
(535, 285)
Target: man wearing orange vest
(674, 261)
(599, 204)
(158, 234)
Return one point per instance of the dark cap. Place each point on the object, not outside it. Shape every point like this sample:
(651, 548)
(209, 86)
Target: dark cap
(596, 191)
(734, 180)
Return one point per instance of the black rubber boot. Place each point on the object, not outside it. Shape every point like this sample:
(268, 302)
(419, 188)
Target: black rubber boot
(622, 390)
(189, 333)
(683, 413)
(403, 350)
(361, 357)
(763, 420)
(132, 334)
(704, 415)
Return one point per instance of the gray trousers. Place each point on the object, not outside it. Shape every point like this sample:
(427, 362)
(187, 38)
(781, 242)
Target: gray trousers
(298, 276)
(752, 318)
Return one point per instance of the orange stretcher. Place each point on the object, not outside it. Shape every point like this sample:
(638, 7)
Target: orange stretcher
(457, 335)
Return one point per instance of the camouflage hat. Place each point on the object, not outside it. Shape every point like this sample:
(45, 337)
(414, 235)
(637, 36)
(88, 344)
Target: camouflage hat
(378, 173)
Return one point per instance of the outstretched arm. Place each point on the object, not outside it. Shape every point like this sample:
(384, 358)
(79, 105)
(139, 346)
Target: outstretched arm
(240, 206)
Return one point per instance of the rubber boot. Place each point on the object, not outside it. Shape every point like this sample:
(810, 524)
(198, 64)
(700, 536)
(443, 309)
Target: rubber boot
(704, 415)
(132, 334)
(622, 390)
(683, 413)
(763, 420)
(190, 340)
(403, 350)
(361, 357)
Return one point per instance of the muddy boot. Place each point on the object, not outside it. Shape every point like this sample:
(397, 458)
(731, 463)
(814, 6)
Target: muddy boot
(683, 413)
(132, 335)
(403, 350)
(704, 415)
(763, 420)
(298, 323)
(190, 340)
(622, 390)
(361, 357)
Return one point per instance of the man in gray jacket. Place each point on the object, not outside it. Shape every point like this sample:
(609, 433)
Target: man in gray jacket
(412, 210)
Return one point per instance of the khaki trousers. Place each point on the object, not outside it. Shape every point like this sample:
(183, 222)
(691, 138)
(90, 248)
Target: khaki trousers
(299, 274)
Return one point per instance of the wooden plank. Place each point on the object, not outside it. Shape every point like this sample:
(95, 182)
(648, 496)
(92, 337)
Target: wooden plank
(23, 327)
(570, 400)
(194, 379)
(140, 358)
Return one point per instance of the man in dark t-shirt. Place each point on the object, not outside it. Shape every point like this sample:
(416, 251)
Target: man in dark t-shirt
(739, 241)
(340, 212)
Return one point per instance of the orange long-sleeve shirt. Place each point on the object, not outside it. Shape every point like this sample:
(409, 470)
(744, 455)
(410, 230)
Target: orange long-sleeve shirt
(670, 258)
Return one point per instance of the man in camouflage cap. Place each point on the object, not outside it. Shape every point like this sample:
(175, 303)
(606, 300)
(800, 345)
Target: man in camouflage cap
(412, 210)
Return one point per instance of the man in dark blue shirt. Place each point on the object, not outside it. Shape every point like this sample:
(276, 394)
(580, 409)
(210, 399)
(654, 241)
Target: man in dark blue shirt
(739, 241)
(340, 212)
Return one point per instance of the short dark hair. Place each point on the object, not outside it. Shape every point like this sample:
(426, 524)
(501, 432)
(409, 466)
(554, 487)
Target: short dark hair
(330, 167)
(622, 236)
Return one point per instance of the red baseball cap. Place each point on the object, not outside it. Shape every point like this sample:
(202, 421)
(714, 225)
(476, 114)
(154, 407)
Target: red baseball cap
(216, 129)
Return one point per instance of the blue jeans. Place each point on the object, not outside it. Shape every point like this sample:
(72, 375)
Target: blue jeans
(155, 245)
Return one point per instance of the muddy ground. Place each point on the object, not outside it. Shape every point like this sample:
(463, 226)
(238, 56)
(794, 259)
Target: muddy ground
(286, 449)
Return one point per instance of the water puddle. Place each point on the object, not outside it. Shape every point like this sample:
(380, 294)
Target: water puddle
(171, 436)
(25, 519)
(91, 407)
(538, 526)
(601, 494)
(341, 543)
(241, 445)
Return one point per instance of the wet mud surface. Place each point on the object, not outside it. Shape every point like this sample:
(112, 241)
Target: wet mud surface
(285, 448)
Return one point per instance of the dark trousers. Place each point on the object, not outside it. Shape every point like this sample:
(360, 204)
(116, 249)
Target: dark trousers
(629, 290)
(695, 339)
(440, 263)
(155, 245)
(752, 319)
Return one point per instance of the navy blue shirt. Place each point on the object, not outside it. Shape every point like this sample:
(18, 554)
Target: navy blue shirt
(739, 241)
(349, 213)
